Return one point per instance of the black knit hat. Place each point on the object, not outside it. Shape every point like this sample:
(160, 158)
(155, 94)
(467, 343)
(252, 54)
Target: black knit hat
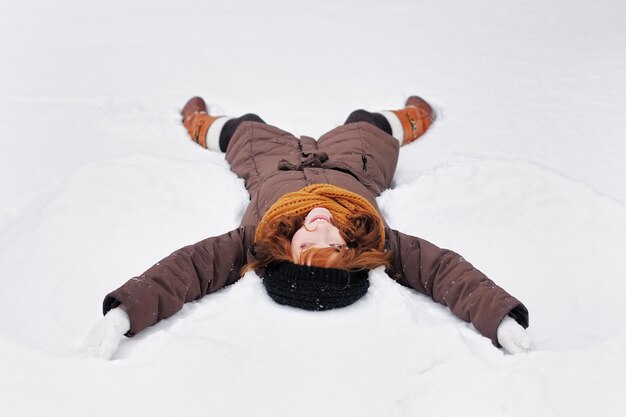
(314, 288)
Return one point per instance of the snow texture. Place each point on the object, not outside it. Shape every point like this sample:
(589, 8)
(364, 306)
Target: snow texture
(523, 174)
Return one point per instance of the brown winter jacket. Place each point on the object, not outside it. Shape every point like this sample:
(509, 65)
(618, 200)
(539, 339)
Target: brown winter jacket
(358, 157)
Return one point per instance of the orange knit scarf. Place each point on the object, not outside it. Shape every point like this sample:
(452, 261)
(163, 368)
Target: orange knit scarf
(340, 202)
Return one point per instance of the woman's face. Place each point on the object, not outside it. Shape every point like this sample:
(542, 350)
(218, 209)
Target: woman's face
(317, 232)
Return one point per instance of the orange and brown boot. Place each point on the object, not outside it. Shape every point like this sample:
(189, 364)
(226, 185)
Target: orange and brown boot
(412, 121)
(198, 121)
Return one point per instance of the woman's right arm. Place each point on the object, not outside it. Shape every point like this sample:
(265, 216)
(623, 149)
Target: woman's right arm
(449, 279)
(186, 275)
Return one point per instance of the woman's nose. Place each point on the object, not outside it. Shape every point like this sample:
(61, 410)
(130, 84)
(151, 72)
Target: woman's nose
(329, 232)
(324, 227)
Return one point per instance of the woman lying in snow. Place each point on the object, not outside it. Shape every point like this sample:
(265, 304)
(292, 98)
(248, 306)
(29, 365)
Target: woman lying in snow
(312, 231)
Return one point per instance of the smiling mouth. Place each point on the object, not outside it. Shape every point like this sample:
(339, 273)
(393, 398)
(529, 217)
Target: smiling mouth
(320, 218)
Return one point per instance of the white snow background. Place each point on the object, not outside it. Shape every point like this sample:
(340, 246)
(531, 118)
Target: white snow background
(523, 174)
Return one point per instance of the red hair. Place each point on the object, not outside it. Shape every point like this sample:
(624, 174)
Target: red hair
(361, 252)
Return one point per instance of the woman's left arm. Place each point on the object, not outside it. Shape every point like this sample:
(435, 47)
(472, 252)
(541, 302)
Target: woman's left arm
(186, 275)
(449, 279)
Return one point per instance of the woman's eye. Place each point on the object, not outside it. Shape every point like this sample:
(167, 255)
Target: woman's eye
(337, 246)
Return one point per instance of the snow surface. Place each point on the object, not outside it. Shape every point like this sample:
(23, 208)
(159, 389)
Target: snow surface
(523, 174)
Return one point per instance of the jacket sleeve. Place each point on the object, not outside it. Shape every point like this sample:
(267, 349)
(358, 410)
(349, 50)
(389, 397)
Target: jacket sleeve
(186, 275)
(452, 281)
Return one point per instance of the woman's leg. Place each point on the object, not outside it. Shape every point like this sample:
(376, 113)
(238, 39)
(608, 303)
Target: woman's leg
(230, 127)
(255, 151)
(375, 119)
(367, 145)
(406, 125)
(208, 131)
(364, 151)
